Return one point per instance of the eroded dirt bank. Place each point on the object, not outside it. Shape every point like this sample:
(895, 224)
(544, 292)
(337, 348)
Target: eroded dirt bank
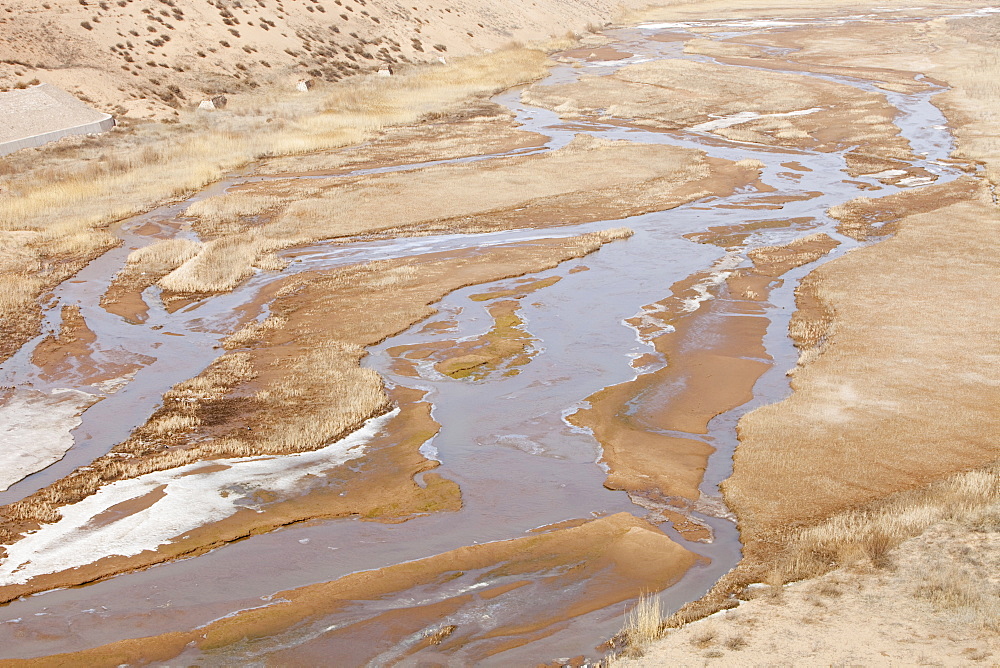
(498, 405)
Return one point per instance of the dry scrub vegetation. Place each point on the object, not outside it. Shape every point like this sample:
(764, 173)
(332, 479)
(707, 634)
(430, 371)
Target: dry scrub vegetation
(58, 203)
(293, 382)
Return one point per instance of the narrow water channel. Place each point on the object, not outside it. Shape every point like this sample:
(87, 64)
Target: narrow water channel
(504, 440)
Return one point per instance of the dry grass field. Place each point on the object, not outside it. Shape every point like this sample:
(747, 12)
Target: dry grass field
(891, 401)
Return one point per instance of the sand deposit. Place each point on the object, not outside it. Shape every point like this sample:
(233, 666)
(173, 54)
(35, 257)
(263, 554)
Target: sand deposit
(500, 572)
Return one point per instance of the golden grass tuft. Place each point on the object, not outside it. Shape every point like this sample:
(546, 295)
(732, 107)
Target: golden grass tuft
(868, 534)
(644, 622)
(751, 163)
(167, 253)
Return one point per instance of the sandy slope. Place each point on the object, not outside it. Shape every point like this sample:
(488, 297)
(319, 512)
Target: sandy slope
(892, 617)
(142, 56)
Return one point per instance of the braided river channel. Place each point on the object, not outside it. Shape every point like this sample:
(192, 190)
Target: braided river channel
(507, 440)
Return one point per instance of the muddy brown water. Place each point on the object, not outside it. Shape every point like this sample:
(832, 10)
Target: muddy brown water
(505, 440)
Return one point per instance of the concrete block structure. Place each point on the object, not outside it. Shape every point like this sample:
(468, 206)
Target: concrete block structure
(36, 115)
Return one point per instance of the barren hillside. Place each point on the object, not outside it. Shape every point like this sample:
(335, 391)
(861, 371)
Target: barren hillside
(141, 57)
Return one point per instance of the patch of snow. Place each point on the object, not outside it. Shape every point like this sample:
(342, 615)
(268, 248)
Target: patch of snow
(887, 174)
(190, 499)
(744, 116)
(36, 430)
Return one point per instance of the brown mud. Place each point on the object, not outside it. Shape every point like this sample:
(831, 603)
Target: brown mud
(70, 355)
(504, 348)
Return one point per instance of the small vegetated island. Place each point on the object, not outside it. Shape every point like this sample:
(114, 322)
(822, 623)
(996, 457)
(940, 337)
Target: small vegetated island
(338, 332)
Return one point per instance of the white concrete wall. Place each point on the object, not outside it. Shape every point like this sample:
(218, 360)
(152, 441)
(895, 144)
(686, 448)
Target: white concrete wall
(39, 114)
(34, 141)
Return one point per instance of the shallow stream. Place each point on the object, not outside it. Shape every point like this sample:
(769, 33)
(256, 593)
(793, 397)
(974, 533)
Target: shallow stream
(520, 465)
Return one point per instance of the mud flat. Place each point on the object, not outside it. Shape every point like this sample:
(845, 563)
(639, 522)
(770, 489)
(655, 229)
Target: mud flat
(588, 180)
(740, 104)
(651, 429)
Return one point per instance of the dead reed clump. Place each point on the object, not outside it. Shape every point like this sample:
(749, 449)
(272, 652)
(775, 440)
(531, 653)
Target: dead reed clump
(219, 266)
(231, 206)
(163, 255)
(643, 624)
(254, 333)
(751, 163)
(962, 594)
(170, 424)
(705, 637)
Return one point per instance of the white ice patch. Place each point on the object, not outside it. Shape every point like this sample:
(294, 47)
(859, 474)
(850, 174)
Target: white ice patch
(190, 500)
(887, 174)
(916, 181)
(744, 116)
(665, 26)
(112, 385)
(522, 443)
(35, 430)
(723, 269)
(430, 451)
